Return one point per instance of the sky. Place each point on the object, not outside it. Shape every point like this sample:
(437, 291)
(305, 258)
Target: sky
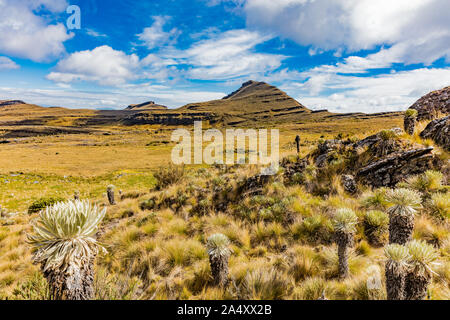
(341, 55)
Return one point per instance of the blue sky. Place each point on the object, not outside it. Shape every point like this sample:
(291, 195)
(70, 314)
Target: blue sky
(341, 55)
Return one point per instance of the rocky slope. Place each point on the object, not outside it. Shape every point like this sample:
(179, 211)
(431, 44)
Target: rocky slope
(432, 105)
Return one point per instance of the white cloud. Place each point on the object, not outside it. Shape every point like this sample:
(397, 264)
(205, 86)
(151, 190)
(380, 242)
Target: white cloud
(155, 36)
(7, 64)
(386, 92)
(103, 65)
(420, 27)
(226, 55)
(119, 98)
(95, 34)
(24, 34)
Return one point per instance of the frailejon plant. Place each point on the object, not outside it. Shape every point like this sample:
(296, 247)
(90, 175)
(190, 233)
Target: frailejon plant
(344, 223)
(110, 194)
(376, 225)
(423, 260)
(65, 246)
(401, 214)
(410, 121)
(219, 253)
(397, 265)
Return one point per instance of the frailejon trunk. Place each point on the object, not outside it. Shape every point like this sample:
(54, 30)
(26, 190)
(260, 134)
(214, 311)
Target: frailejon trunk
(395, 282)
(75, 283)
(401, 228)
(410, 125)
(344, 241)
(219, 269)
(416, 286)
(111, 199)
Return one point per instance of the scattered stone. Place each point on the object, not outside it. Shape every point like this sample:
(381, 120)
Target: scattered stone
(349, 183)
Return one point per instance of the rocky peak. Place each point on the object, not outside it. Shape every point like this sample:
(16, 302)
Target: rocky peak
(4, 103)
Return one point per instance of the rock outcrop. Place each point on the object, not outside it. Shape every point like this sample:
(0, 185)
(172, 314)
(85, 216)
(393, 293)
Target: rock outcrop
(439, 131)
(150, 105)
(430, 106)
(389, 171)
(380, 160)
(169, 118)
(4, 103)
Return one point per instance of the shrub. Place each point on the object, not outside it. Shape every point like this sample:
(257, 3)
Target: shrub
(376, 224)
(168, 175)
(411, 113)
(35, 288)
(439, 205)
(42, 203)
(375, 200)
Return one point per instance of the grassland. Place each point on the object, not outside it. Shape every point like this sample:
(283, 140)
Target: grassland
(281, 242)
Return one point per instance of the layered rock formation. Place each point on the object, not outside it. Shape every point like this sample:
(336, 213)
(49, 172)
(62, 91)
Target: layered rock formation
(432, 105)
(381, 160)
(439, 131)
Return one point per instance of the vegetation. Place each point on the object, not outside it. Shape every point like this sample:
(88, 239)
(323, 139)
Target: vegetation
(42, 203)
(65, 248)
(344, 223)
(396, 269)
(218, 258)
(273, 241)
(401, 214)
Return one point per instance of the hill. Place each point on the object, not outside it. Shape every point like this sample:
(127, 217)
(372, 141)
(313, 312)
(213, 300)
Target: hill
(149, 105)
(254, 101)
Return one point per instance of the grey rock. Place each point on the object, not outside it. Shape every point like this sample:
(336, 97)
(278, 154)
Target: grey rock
(439, 131)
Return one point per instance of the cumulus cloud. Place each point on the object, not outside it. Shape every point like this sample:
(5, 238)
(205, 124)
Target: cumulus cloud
(386, 92)
(7, 64)
(25, 34)
(102, 64)
(227, 55)
(420, 27)
(155, 35)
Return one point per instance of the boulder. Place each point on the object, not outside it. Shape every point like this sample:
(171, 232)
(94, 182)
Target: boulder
(439, 131)
(431, 105)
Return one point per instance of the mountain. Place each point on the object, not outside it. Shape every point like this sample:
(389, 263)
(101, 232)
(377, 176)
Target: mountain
(251, 97)
(150, 105)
